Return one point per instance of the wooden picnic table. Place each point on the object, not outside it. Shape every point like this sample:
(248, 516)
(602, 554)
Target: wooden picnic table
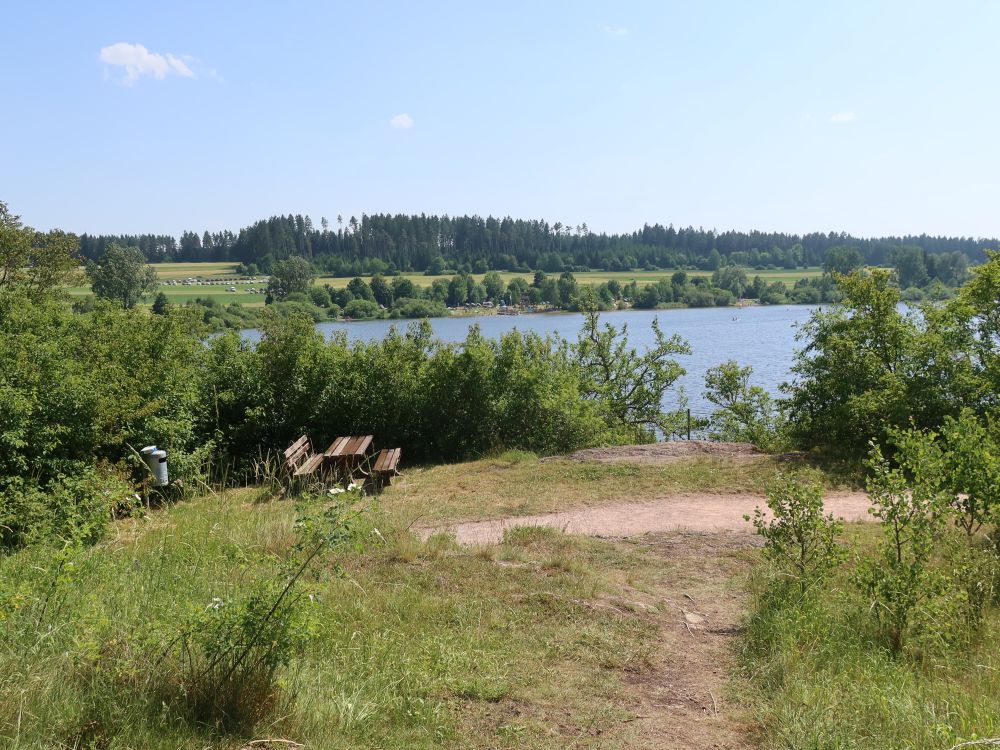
(349, 453)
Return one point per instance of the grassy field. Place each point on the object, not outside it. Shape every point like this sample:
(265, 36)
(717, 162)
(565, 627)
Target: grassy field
(210, 272)
(412, 644)
(542, 641)
(519, 484)
(220, 271)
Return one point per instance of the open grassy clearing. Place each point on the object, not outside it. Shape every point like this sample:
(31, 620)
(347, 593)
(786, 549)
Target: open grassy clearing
(516, 483)
(168, 271)
(539, 642)
(543, 640)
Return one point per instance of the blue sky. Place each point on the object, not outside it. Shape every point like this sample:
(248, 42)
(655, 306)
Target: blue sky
(868, 117)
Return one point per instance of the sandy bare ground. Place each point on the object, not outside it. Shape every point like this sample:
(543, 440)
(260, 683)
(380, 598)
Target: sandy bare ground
(702, 512)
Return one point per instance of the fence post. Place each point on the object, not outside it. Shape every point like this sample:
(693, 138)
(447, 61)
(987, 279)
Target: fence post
(689, 424)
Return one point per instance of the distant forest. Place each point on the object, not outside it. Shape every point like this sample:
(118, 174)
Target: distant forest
(438, 244)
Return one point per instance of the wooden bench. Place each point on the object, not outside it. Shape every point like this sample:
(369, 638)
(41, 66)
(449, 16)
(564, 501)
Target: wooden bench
(300, 461)
(386, 466)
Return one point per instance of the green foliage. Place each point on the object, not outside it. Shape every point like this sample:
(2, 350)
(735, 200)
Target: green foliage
(79, 392)
(34, 263)
(799, 540)
(417, 308)
(731, 278)
(122, 276)
(362, 309)
(160, 304)
(961, 464)
(628, 386)
(66, 509)
(868, 368)
(291, 275)
(746, 413)
(904, 592)
(843, 260)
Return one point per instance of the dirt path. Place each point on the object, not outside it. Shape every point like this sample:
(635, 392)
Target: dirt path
(681, 699)
(703, 512)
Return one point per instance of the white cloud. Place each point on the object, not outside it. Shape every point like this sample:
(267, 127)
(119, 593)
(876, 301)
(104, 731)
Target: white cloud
(402, 121)
(616, 31)
(842, 117)
(139, 61)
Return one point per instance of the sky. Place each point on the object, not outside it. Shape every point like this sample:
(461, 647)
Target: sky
(875, 118)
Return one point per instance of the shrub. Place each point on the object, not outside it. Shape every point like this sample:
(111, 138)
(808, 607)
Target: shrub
(361, 309)
(799, 540)
(74, 509)
(901, 588)
(418, 308)
(746, 413)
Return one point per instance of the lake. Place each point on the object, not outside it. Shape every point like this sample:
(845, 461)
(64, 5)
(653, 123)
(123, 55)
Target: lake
(763, 337)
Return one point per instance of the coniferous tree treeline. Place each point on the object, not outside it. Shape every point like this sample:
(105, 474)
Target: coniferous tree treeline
(383, 242)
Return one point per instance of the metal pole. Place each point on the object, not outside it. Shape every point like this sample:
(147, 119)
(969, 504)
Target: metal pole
(689, 424)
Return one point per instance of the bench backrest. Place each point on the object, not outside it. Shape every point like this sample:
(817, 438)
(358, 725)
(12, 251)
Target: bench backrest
(297, 453)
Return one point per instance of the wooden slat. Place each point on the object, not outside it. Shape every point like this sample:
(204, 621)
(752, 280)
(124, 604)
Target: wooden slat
(366, 441)
(310, 466)
(388, 459)
(296, 446)
(336, 447)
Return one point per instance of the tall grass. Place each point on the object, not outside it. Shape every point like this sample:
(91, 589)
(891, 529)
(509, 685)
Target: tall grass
(816, 676)
(406, 644)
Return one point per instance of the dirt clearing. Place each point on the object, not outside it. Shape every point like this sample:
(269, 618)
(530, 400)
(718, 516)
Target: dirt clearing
(703, 512)
(658, 453)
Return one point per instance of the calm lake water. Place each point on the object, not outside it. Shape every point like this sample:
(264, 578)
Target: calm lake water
(763, 337)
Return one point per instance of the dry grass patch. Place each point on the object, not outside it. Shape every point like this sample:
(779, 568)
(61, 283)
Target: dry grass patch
(517, 484)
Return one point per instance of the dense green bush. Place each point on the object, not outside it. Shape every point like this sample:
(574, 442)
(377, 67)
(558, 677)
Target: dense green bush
(868, 366)
(898, 647)
(361, 309)
(80, 394)
(746, 413)
(85, 392)
(436, 400)
(417, 308)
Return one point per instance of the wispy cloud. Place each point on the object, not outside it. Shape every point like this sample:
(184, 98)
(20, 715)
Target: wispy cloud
(615, 30)
(137, 61)
(401, 121)
(843, 117)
